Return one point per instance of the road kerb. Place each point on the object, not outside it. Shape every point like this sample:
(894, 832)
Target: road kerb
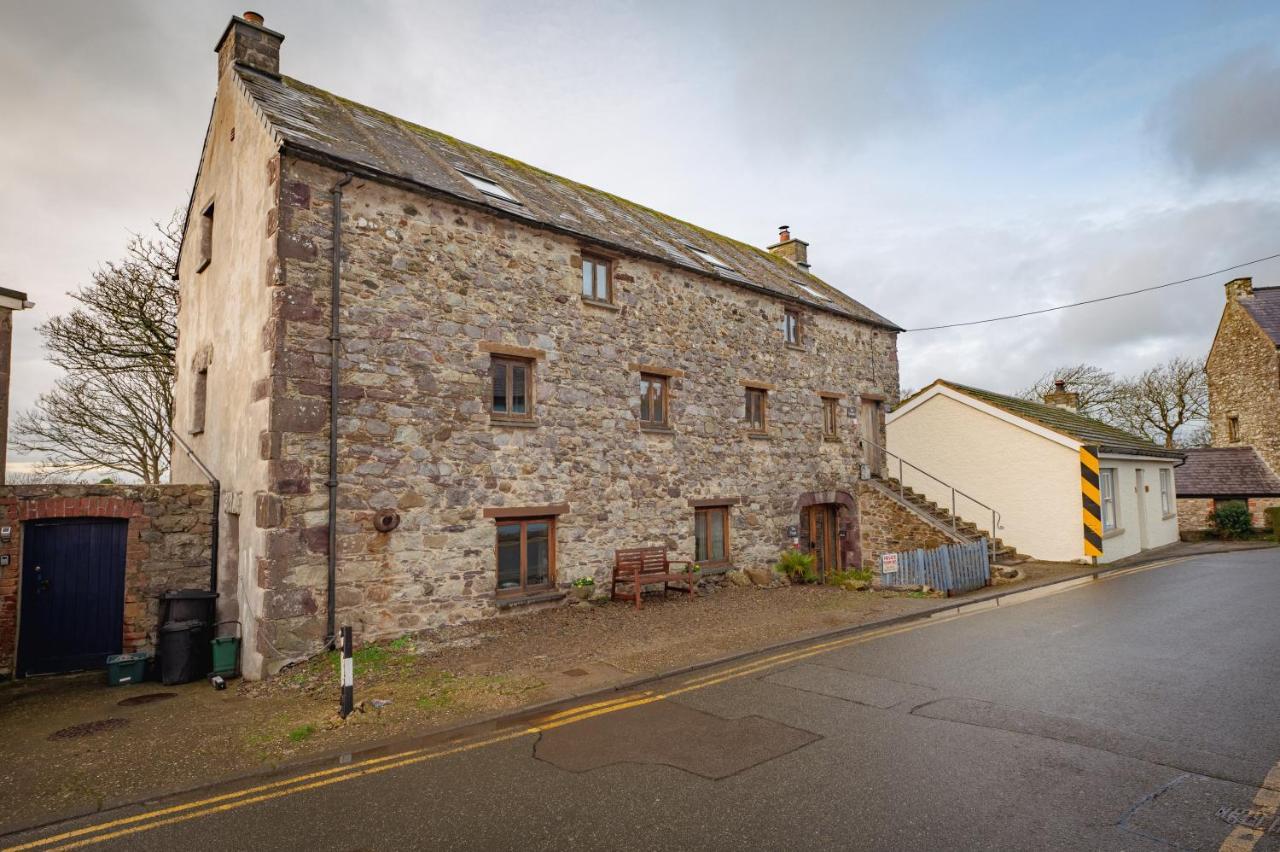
(567, 703)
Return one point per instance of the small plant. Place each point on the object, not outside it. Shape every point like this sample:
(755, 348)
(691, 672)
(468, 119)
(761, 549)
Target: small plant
(839, 578)
(299, 734)
(1233, 521)
(798, 566)
(584, 582)
(692, 568)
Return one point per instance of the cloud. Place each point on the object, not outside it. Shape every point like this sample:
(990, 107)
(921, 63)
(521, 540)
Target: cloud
(1225, 120)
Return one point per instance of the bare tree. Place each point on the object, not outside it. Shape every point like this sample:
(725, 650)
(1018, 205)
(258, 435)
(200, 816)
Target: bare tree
(113, 407)
(1097, 389)
(1165, 403)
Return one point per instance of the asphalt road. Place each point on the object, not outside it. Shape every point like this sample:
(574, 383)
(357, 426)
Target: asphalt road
(1134, 713)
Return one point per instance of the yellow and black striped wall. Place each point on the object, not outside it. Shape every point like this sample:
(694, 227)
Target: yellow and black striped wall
(1091, 497)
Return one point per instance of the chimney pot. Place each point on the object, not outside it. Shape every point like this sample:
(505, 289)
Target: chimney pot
(796, 251)
(1060, 385)
(253, 18)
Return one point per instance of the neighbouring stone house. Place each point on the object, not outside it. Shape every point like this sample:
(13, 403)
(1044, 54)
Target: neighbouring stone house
(531, 373)
(1243, 370)
(1214, 476)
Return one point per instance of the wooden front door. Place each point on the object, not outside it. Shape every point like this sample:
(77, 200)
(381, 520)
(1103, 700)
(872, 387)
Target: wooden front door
(824, 541)
(869, 425)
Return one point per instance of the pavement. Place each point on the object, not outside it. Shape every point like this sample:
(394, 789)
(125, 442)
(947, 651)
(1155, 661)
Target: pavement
(1137, 712)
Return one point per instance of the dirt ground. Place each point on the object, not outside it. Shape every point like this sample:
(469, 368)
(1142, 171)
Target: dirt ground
(71, 744)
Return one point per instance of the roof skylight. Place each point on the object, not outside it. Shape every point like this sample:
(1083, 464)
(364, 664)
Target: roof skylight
(710, 258)
(488, 187)
(810, 291)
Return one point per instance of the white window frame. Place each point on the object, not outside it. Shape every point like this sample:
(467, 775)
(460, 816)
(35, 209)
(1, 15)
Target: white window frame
(1107, 478)
(1166, 491)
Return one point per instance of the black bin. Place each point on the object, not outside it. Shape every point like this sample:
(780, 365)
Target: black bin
(184, 651)
(187, 605)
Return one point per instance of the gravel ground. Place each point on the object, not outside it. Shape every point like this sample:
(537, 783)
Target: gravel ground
(431, 680)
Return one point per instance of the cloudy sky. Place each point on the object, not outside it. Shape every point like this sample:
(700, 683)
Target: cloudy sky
(946, 161)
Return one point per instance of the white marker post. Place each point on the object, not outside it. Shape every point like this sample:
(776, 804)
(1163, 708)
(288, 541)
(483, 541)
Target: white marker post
(348, 675)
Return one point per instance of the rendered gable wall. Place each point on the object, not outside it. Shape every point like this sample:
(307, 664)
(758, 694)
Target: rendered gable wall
(1033, 482)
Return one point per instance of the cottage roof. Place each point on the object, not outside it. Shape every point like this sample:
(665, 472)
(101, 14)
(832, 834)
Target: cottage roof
(1264, 307)
(1226, 472)
(1073, 425)
(313, 121)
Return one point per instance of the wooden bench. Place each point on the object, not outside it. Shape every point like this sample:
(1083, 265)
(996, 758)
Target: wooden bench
(647, 566)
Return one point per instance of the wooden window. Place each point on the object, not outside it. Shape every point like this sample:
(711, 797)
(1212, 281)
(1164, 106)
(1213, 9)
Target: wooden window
(199, 395)
(653, 400)
(711, 534)
(1233, 429)
(757, 409)
(597, 279)
(510, 388)
(526, 554)
(830, 418)
(791, 327)
(1166, 491)
(1107, 488)
(206, 238)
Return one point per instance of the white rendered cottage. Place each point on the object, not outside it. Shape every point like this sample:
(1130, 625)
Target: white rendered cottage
(1067, 487)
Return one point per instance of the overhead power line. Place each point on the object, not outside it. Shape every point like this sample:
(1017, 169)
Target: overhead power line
(1099, 299)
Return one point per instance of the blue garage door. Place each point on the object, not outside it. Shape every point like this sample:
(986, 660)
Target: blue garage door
(72, 614)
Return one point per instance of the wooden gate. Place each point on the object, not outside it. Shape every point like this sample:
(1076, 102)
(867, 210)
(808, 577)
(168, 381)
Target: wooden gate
(72, 612)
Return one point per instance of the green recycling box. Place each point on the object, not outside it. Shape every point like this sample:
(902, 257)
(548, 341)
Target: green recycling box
(126, 668)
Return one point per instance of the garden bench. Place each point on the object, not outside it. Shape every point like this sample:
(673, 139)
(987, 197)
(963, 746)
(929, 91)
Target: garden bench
(647, 566)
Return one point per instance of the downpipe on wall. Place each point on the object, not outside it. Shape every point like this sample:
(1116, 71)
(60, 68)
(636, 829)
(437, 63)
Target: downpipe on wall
(335, 340)
(217, 500)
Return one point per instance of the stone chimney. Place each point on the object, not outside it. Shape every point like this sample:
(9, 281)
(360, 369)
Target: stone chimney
(1060, 397)
(796, 251)
(247, 42)
(1239, 287)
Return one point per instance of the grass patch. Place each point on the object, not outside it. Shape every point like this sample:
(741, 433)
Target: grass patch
(301, 733)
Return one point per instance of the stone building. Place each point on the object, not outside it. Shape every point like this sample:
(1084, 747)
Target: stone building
(530, 373)
(1244, 372)
(1244, 410)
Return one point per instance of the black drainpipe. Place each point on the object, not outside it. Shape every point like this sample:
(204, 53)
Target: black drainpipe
(335, 339)
(217, 499)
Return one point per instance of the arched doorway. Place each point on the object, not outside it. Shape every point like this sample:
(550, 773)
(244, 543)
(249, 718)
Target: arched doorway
(829, 530)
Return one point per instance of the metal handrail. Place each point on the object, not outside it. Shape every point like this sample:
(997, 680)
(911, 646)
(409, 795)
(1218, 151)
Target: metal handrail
(903, 463)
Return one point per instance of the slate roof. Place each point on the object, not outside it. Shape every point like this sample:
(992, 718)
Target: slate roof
(1226, 472)
(314, 121)
(1084, 429)
(1264, 307)
(13, 294)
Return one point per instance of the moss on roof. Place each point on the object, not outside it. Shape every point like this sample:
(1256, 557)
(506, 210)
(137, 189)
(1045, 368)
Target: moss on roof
(315, 119)
(1073, 425)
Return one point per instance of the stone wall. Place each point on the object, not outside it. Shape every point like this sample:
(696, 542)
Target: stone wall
(167, 547)
(1195, 513)
(1244, 382)
(890, 527)
(432, 289)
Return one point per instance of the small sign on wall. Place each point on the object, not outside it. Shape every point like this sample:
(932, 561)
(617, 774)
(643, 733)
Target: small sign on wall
(888, 563)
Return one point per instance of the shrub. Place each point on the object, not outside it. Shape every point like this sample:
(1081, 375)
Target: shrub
(798, 566)
(838, 578)
(1233, 521)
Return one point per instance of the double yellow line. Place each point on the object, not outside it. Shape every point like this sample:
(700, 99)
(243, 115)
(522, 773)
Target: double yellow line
(174, 814)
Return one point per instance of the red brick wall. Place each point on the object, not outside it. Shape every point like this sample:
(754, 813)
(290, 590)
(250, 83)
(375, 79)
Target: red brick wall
(167, 547)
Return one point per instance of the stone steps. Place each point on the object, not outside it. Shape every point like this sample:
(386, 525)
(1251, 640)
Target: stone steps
(967, 529)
